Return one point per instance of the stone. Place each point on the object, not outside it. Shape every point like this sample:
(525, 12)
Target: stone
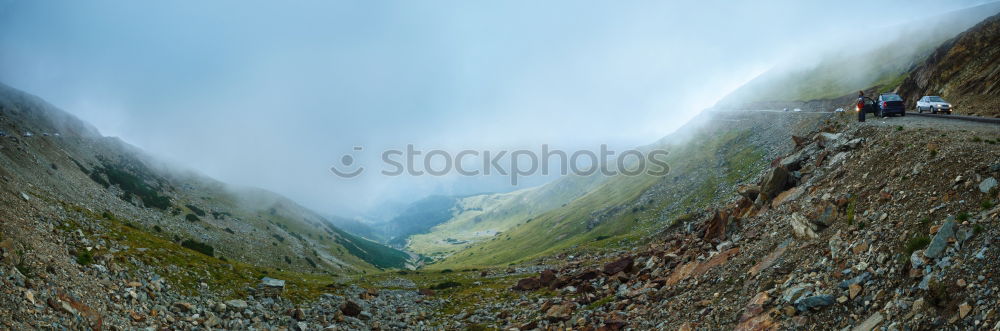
(183, 306)
(560, 312)
(859, 279)
(298, 314)
(775, 182)
(237, 305)
(30, 296)
(621, 265)
(802, 227)
(547, 278)
(854, 290)
(987, 184)
(25, 196)
(813, 302)
(61, 306)
(749, 192)
(917, 259)
(870, 323)
(964, 309)
(940, 241)
(350, 308)
(527, 284)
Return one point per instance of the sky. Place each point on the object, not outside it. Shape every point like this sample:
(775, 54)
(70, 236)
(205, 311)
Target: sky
(273, 93)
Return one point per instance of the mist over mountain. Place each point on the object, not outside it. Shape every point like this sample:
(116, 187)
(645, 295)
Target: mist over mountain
(273, 95)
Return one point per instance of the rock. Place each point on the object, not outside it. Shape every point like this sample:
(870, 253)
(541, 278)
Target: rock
(775, 182)
(802, 227)
(560, 312)
(788, 195)
(426, 292)
(964, 309)
(792, 293)
(61, 306)
(30, 296)
(237, 305)
(25, 196)
(183, 306)
(350, 308)
(547, 278)
(987, 184)
(302, 326)
(749, 192)
(298, 314)
(940, 241)
(527, 284)
(859, 279)
(716, 226)
(220, 308)
(870, 323)
(812, 302)
(916, 259)
(854, 290)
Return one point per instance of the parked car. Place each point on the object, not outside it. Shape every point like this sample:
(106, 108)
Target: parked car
(933, 104)
(889, 104)
(3, 134)
(28, 134)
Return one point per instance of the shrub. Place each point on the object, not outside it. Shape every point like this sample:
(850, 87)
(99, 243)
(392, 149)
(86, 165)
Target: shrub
(199, 247)
(196, 210)
(84, 257)
(446, 285)
(191, 218)
(963, 216)
(986, 204)
(916, 243)
(157, 228)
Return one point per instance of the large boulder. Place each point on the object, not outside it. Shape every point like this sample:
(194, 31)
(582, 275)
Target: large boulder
(775, 182)
(621, 265)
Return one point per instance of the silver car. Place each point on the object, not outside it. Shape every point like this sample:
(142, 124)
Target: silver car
(933, 104)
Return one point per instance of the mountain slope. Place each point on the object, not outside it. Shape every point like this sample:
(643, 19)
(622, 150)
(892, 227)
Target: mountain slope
(625, 209)
(66, 162)
(964, 70)
(881, 59)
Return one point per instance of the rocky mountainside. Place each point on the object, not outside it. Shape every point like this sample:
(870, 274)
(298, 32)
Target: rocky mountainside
(62, 171)
(856, 227)
(964, 70)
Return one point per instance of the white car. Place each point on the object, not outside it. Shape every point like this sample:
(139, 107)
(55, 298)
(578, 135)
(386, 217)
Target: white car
(933, 104)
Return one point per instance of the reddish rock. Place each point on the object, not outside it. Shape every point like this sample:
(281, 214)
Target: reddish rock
(426, 292)
(527, 284)
(588, 275)
(547, 278)
(621, 265)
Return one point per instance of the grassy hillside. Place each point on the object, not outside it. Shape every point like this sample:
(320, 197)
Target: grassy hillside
(625, 209)
(482, 217)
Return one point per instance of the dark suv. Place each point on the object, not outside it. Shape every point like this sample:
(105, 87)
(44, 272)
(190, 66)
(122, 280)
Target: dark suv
(889, 104)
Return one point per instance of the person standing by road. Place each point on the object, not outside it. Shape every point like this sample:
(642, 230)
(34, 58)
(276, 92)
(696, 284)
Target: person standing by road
(861, 106)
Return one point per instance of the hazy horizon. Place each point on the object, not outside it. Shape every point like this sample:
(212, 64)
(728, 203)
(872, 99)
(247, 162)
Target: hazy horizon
(272, 95)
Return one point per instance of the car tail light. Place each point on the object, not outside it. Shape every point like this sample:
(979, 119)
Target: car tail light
(884, 104)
